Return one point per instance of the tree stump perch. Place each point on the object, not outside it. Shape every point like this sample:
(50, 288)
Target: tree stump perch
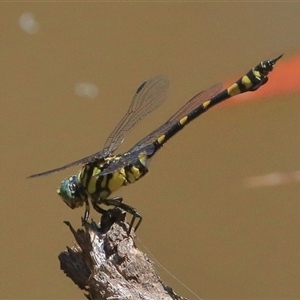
(106, 264)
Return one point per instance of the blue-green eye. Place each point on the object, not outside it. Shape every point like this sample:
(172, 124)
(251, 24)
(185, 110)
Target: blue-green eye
(68, 191)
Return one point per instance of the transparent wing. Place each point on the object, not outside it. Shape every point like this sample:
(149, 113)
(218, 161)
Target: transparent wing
(148, 141)
(150, 94)
(183, 111)
(74, 163)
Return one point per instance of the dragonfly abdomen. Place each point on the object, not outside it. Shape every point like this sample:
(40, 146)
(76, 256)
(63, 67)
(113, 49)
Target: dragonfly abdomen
(253, 80)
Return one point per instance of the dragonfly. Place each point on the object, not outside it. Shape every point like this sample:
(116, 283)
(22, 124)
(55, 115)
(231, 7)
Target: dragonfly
(104, 172)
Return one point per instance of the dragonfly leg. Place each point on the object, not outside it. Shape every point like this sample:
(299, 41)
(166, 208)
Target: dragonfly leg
(108, 216)
(117, 202)
(99, 209)
(86, 215)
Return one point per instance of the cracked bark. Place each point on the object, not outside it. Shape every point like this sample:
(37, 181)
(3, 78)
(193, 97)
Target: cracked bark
(106, 263)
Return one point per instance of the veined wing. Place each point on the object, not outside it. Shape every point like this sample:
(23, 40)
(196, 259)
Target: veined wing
(84, 160)
(150, 94)
(148, 141)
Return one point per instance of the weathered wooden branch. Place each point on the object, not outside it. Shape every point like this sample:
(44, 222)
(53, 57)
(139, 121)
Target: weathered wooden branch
(107, 264)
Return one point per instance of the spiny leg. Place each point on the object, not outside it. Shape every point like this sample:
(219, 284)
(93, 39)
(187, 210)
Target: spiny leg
(86, 215)
(108, 216)
(117, 202)
(105, 213)
(102, 211)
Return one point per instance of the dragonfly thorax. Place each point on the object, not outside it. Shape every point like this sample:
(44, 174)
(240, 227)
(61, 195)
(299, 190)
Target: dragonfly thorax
(71, 192)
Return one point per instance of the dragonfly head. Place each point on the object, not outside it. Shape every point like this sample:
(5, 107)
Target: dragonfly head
(70, 192)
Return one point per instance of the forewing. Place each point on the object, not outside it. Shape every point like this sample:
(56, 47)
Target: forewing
(85, 160)
(150, 94)
(146, 143)
(193, 103)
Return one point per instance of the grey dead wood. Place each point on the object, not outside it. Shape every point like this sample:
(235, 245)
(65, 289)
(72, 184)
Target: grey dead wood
(106, 264)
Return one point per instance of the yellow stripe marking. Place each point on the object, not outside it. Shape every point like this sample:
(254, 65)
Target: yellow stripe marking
(133, 174)
(83, 175)
(183, 120)
(247, 82)
(206, 104)
(103, 181)
(91, 187)
(256, 74)
(233, 90)
(161, 139)
(117, 180)
(143, 158)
